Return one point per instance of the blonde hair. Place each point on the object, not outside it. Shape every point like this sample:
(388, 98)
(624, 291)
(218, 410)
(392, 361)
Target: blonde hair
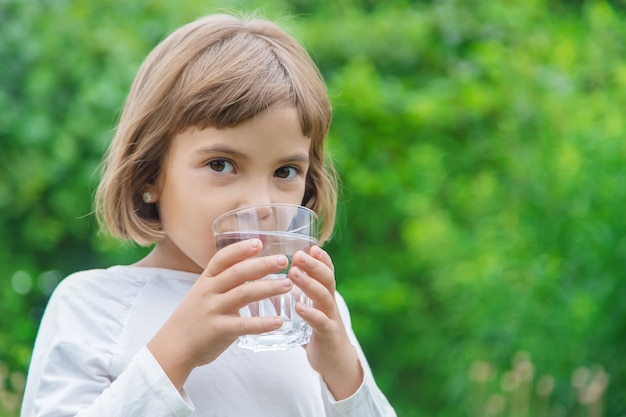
(217, 71)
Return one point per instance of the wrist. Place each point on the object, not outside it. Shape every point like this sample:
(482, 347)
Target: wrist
(172, 363)
(345, 379)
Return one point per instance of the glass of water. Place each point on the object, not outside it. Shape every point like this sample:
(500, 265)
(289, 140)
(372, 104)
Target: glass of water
(283, 229)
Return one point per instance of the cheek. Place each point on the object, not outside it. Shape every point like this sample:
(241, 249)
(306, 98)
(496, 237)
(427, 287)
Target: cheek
(208, 251)
(195, 238)
(189, 226)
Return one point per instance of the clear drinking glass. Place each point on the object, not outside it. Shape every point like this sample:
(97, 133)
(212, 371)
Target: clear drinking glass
(283, 229)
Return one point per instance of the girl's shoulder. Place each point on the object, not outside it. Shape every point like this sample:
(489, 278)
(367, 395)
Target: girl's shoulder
(84, 294)
(120, 277)
(119, 286)
(97, 282)
(110, 297)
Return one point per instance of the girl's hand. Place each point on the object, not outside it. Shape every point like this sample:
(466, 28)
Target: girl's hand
(329, 351)
(207, 321)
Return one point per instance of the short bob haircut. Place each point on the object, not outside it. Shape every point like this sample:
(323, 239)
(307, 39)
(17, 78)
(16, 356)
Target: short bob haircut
(217, 71)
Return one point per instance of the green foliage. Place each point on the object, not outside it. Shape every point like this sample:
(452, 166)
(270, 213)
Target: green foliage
(483, 163)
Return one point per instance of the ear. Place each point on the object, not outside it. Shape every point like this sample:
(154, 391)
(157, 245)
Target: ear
(150, 192)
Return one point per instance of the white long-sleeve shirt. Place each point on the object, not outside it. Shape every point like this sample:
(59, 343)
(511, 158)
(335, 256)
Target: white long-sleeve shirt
(90, 360)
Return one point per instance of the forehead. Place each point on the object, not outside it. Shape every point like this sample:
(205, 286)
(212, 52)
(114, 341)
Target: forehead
(275, 133)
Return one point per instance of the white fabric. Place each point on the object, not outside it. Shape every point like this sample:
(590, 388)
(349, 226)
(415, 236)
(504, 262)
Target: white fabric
(90, 360)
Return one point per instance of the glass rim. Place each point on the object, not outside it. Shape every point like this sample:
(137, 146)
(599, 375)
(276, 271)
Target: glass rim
(253, 206)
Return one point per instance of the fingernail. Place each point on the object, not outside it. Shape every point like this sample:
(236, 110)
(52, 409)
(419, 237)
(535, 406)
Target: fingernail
(319, 250)
(282, 260)
(287, 283)
(255, 243)
(303, 258)
(277, 322)
(298, 274)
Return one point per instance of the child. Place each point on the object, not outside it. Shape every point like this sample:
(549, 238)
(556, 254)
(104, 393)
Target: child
(225, 112)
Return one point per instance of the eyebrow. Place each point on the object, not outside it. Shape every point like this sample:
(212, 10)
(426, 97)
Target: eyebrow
(299, 157)
(220, 149)
(295, 158)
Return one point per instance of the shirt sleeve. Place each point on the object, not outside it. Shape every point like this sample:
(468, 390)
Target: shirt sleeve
(368, 400)
(143, 389)
(70, 375)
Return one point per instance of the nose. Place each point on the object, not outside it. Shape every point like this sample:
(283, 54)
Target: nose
(255, 194)
(258, 195)
(257, 217)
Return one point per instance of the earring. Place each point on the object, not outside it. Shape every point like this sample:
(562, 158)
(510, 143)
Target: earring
(147, 197)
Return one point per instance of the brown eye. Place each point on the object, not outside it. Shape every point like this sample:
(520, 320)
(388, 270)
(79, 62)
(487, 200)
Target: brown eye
(222, 166)
(286, 173)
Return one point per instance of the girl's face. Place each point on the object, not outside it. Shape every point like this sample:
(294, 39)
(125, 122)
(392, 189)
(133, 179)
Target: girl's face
(208, 172)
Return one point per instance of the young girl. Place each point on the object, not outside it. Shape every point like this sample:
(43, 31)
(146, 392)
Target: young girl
(224, 113)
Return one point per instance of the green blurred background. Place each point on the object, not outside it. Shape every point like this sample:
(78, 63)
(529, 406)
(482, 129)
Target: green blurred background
(481, 241)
